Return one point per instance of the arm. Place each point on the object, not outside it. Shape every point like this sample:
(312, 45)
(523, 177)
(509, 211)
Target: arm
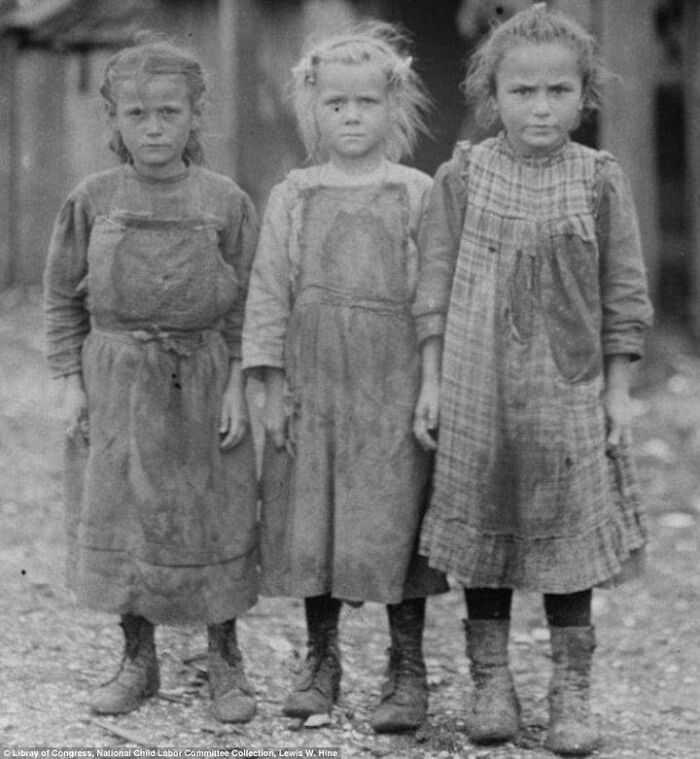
(234, 416)
(616, 397)
(627, 311)
(439, 236)
(425, 419)
(66, 319)
(267, 312)
(238, 250)
(625, 301)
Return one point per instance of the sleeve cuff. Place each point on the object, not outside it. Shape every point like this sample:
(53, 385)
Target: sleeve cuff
(429, 325)
(631, 344)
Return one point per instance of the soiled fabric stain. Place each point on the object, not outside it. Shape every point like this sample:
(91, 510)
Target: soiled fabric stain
(343, 517)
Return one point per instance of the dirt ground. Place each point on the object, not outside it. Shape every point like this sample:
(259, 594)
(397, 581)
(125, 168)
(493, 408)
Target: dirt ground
(646, 692)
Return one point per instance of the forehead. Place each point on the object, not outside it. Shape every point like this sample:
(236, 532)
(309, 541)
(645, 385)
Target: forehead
(152, 87)
(551, 60)
(350, 77)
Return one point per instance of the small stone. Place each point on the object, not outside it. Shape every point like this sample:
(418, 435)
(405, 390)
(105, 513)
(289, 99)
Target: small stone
(318, 720)
(678, 520)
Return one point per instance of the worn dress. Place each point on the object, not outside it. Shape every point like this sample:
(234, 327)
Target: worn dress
(144, 286)
(329, 303)
(532, 271)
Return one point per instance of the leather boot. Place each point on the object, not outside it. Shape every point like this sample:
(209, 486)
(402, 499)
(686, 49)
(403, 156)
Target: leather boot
(138, 677)
(318, 685)
(231, 693)
(404, 697)
(571, 729)
(495, 711)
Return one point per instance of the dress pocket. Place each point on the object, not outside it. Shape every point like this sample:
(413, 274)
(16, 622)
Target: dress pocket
(571, 302)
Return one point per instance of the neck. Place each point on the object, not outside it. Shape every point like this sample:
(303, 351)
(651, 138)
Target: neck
(358, 166)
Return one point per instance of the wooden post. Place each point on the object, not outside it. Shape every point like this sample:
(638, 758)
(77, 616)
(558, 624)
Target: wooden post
(629, 49)
(8, 161)
(691, 55)
(232, 15)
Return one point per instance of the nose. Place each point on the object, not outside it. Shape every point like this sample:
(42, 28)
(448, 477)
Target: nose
(540, 105)
(352, 112)
(153, 124)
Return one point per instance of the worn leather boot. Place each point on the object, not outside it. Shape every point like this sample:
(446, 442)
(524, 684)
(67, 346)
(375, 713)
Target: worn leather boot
(138, 677)
(571, 729)
(318, 685)
(494, 715)
(231, 694)
(404, 698)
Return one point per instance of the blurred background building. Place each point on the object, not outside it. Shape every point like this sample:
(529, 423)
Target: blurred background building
(52, 127)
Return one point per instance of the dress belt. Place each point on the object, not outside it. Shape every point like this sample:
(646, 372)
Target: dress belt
(181, 343)
(314, 294)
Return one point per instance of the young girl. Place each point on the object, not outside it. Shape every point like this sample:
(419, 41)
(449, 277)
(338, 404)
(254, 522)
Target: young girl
(532, 279)
(145, 285)
(328, 324)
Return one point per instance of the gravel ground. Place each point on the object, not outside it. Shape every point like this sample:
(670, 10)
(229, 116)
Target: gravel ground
(646, 692)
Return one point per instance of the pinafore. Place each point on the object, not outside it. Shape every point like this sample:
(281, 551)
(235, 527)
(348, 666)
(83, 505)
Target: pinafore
(525, 495)
(161, 523)
(349, 521)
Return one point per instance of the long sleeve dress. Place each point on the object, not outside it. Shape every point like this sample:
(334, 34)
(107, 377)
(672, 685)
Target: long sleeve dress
(144, 290)
(329, 303)
(531, 273)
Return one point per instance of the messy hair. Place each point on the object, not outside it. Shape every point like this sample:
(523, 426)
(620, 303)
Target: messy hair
(535, 26)
(150, 57)
(378, 43)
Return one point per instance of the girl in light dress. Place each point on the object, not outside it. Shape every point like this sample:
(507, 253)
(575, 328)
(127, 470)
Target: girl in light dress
(329, 330)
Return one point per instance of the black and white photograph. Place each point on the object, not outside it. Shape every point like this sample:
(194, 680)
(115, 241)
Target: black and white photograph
(349, 379)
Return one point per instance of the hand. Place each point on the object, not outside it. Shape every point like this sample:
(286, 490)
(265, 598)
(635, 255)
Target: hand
(274, 419)
(618, 415)
(74, 407)
(425, 419)
(234, 418)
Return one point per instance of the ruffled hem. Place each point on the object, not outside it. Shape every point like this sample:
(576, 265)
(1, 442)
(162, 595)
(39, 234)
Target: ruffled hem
(609, 554)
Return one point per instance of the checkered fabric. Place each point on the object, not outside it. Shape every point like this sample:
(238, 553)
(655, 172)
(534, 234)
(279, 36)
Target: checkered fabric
(525, 495)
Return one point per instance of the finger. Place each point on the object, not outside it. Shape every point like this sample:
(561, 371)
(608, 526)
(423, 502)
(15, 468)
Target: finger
(426, 440)
(613, 439)
(233, 438)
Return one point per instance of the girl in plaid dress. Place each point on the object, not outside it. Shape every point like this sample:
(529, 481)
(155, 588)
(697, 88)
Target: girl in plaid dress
(328, 324)
(531, 306)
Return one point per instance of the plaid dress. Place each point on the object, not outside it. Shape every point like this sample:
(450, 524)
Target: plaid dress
(532, 270)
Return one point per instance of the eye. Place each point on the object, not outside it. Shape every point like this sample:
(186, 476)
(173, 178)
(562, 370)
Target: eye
(367, 100)
(133, 113)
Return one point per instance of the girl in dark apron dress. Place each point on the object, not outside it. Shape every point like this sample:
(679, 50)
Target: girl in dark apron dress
(144, 285)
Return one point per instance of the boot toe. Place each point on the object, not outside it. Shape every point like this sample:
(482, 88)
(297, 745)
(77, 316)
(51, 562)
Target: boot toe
(572, 739)
(234, 706)
(392, 718)
(303, 704)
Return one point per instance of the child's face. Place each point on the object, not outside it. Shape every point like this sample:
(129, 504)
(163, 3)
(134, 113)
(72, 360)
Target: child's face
(352, 113)
(539, 96)
(154, 116)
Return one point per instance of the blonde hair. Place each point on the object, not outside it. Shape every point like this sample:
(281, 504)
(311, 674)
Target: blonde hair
(535, 26)
(148, 58)
(378, 43)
